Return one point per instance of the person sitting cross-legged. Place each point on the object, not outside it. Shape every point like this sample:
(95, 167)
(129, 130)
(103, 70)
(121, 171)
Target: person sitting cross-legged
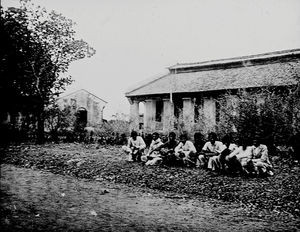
(210, 149)
(260, 159)
(167, 150)
(153, 156)
(135, 147)
(244, 154)
(217, 162)
(229, 165)
(198, 143)
(185, 151)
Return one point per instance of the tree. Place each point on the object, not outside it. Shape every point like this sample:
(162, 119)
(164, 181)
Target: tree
(59, 121)
(19, 87)
(43, 49)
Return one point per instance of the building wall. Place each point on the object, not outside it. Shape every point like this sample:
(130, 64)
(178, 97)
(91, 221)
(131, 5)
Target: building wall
(180, 117)
(83, 99)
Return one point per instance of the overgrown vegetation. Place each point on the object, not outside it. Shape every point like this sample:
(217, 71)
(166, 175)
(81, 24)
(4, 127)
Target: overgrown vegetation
(272, 113)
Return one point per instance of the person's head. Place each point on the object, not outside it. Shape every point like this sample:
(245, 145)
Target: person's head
(226, 140)
(234, 137)
(244, 142)
(183, 138)
(155, 136)
(212, 137)
(198, 137)
(256, 140)
(172, 136)
(133, 134)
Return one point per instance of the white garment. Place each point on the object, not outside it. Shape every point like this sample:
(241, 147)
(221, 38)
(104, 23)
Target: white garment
(214, 162)
(138, 143)
(217, 147)
(243, 155)
(187, 148)
(154, 144)
(232, 147)
(260, 153)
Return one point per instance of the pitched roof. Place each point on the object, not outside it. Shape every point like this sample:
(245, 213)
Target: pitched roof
(251, 58)
(246, 74)
(83, 90)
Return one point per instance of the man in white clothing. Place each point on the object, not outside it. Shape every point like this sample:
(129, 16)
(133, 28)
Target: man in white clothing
(210, 149)
(153, 156)
(185, 150)
(135, 147)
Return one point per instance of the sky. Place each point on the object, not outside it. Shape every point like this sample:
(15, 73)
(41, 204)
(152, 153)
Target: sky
(138, 39)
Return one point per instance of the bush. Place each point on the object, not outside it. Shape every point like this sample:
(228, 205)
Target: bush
(271, 113)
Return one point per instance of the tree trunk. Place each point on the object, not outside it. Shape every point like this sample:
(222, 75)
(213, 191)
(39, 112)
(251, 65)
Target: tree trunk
(40, 126)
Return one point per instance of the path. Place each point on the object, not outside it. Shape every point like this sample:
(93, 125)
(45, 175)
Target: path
(44, 201)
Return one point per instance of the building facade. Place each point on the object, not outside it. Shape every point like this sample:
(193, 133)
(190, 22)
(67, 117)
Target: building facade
(178, 99)
(87, 107)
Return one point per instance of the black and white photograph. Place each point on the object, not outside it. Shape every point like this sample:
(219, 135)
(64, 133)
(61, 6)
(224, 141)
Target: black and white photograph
(150, 115)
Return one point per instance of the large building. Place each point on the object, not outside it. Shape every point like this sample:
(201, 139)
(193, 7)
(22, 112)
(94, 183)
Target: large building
(187, 86)
(87, 107)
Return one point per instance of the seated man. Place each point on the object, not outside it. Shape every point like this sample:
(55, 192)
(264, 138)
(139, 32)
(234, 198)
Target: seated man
(217, 162)
(135, 147)
(167, 150)
(232, 165)
(210, 149)
(153, 156)
(185, 151)
(198, 142)
(243, 154)
(260, 159)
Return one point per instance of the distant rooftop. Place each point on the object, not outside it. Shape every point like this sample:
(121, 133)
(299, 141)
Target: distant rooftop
(240, 61)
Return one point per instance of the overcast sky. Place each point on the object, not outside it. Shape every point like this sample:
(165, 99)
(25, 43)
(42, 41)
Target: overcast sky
(138, 39)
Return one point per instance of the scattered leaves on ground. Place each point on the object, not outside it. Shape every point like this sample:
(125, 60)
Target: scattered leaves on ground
(271, 197)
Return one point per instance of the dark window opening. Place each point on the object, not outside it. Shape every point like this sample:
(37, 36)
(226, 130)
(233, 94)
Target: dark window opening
(82, 117)
(159, 110)
(218, 111)
(197, 108)
(141, 126)
(178, 112)
(178, 108)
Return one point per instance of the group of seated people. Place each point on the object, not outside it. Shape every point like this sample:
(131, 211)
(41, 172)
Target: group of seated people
(247, 157)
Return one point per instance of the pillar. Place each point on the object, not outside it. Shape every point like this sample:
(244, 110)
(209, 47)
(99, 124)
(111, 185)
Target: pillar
(168, 115)
(209, 112)
(134, 115)
(149, 119)
(188, 114)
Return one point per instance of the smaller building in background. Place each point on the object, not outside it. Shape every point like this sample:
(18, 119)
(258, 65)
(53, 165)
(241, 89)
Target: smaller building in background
(87, 107)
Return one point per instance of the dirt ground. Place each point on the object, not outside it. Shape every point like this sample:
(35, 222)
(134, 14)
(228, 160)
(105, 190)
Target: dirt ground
(33, 200)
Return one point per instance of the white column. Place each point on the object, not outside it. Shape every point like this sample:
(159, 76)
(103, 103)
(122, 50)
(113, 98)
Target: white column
(168, 115)
(149, 119)
(188, 114)
(209, 111)
(134, 115)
